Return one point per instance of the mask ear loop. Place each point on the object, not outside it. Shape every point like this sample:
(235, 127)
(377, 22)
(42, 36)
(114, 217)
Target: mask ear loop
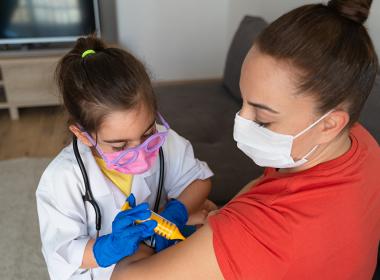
(309, 127)
(313, 124)
(309, 153)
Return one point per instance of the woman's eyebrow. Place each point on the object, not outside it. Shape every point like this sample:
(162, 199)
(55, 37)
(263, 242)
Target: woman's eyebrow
(262, 106)
(127, 140)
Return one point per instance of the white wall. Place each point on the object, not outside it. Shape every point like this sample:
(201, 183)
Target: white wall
(181, 39)
(374, 25)
(177, 39)
(237, 9)
(185, 40)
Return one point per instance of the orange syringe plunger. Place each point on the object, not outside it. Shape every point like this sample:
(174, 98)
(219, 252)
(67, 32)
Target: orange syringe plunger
(164, 227)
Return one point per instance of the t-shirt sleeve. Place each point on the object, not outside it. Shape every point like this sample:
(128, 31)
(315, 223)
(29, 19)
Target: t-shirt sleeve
(268, 171)
(251, 240)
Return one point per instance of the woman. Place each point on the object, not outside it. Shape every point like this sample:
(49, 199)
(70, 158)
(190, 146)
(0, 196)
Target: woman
(314, 213)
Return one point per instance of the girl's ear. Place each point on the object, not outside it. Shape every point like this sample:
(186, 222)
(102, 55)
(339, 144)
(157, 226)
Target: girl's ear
(80, 135)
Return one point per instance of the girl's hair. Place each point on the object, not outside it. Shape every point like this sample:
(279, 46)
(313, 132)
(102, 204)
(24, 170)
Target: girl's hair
(95, 85)
(331, 48)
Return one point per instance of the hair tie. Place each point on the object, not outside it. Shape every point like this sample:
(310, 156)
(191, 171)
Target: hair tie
(87, 52)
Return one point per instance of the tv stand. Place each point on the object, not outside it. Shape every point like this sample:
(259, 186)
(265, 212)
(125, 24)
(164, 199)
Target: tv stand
(24, 48)
(28, 79)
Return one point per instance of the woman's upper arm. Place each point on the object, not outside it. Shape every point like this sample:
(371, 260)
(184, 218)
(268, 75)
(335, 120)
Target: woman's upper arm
(190, 259)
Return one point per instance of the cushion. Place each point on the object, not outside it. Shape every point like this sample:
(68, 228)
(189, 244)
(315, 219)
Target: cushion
(204, 113)
(249, 28)
(370, 116)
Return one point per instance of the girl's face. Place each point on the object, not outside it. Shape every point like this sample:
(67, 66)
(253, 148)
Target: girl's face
(124, 129)
(270, 98)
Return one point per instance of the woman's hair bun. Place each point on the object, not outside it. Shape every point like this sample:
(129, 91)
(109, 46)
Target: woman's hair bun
(355, 10)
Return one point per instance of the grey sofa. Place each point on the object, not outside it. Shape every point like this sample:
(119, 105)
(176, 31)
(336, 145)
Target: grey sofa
(204, 113)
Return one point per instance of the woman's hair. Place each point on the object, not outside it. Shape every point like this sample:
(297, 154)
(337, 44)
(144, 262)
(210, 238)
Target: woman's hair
(95, 85)
(332, 50)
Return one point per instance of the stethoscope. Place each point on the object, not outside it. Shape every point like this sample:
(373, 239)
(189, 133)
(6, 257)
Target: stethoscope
(88, 193)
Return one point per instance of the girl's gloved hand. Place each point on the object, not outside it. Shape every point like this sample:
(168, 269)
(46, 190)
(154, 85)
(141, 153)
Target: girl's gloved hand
(126, 236)
(175, 211)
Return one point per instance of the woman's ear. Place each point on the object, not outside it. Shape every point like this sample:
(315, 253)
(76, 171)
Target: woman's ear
(80, 135)
(334, 124)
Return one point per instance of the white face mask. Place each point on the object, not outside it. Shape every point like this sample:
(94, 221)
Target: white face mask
(267, 148)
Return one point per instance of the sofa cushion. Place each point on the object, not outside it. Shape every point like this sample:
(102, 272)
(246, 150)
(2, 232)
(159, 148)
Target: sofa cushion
(248, 30)
(204, 113)
(370, 116)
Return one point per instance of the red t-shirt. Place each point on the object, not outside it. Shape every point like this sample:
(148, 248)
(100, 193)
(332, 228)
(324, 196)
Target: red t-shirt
(321, 223)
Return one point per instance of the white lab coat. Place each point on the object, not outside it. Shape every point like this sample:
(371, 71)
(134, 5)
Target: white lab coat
(67, 223)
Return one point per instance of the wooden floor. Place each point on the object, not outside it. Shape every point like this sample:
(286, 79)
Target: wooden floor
(40, 132)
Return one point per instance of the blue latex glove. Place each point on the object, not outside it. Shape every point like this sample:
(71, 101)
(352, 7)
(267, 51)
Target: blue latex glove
(177, 213)
(125, 237)
(131, 200)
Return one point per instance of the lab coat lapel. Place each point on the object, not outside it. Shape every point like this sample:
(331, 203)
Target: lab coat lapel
(140, 188)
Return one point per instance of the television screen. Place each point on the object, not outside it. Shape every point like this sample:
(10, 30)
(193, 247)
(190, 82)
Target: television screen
(35, 21)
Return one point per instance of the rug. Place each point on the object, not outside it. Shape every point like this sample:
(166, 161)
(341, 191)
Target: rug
(20, 244)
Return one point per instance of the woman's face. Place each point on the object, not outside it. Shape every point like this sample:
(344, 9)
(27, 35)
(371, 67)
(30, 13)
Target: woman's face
(270, 98)
(125, 129)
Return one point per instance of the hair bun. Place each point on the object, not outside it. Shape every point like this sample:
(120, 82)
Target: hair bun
(355, 10)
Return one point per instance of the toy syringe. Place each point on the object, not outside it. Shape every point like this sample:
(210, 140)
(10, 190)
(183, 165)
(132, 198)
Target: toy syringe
(164, 227)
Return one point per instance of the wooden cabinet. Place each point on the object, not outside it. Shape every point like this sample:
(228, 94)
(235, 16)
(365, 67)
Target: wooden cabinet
(28, 80)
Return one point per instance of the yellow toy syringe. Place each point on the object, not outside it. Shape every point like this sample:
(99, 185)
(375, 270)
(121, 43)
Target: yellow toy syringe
(164, 228)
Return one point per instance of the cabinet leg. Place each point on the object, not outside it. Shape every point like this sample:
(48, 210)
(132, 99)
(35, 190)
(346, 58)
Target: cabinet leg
(13, 111)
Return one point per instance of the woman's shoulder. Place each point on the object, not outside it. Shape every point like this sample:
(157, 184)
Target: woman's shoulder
(368, 150)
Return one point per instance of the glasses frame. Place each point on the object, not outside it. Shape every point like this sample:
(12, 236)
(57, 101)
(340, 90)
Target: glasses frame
(161, 135)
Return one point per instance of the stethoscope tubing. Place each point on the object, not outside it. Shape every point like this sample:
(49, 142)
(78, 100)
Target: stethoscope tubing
(88, 193)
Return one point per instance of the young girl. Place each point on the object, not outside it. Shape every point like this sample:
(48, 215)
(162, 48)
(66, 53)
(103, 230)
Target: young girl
(113, 114)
